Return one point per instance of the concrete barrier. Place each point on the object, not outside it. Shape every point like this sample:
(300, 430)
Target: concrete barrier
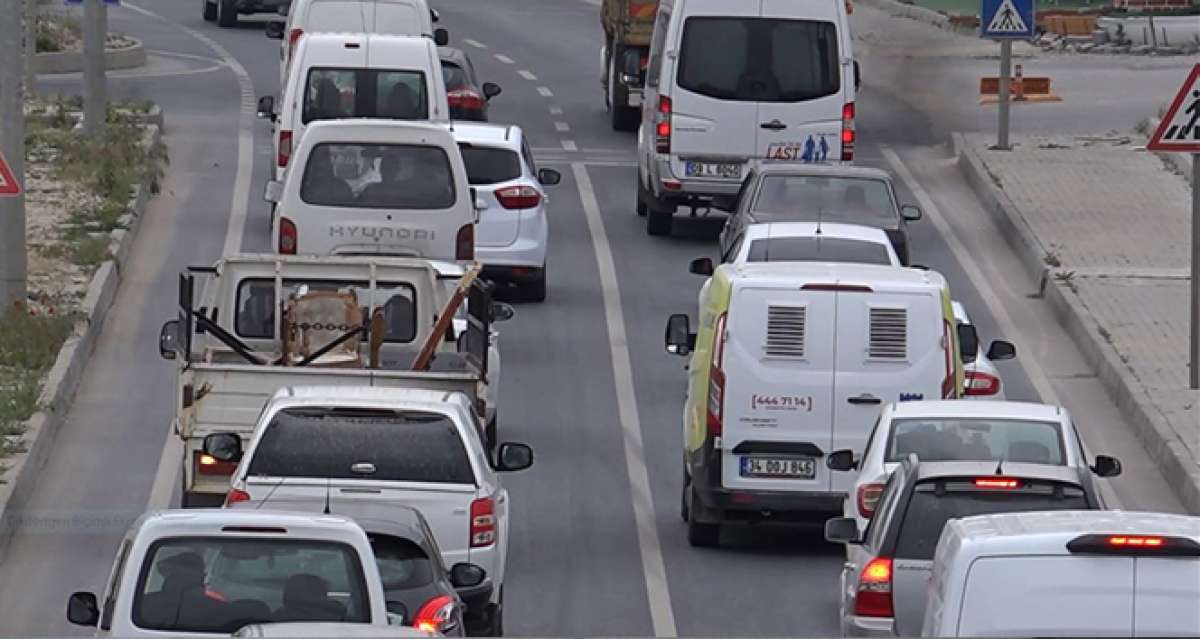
(129, 57)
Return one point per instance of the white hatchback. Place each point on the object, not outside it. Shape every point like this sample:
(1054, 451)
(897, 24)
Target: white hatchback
(511, 237)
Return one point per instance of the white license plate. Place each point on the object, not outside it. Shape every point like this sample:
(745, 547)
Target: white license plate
(723, 170)
(784, 467)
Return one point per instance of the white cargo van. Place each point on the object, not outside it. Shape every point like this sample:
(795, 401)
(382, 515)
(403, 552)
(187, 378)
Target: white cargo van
(376, 187)
(780, 87)
(355, 75)
(1066, 574)
(793, 361)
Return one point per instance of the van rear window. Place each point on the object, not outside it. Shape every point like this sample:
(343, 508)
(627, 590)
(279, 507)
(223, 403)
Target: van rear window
(333, 93)
(378, 176)
(759, 59)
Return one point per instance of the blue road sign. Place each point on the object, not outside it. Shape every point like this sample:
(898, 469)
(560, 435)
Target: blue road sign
(1006, 19)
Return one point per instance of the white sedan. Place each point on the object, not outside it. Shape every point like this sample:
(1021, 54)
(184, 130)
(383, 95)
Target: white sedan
(982, 380)
(805, 242)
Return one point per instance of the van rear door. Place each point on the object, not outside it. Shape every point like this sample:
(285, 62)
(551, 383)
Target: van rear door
(778, 362)
(340, 16)
(1165, 596)
(401, 17)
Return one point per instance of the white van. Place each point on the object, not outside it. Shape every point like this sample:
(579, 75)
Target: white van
(376, 187)
(356, 75)
(388, 17)
(779, 88)
(1066, 574)
(794, 360)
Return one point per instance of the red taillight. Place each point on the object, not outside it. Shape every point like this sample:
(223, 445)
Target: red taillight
(483, 522)
(235, 495)
(464, 99)
(1145, 542)
(662, 126)
(978, 383)
(874, 597)
(848, 132)
(285, 148)
(288, 238)
(293, 38)
(868, 498)
(464, 243)
(435, 615)
(999, 483)
(716, 381)
(208, 465)
(518, 197)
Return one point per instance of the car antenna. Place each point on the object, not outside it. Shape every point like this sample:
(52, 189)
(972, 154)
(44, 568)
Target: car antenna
(1000, 466)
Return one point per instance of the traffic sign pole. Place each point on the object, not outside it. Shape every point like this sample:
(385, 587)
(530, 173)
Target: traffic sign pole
(1005, 105)
(1194, 346)
(12, 147)
(1005, 20)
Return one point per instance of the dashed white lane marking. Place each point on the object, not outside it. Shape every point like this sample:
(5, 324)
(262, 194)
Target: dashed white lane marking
(562, 127)
(475, 43)
(556, 110)
(546, 92)
(569, 145)
(528, 75)
(658, 592)
(503, 58)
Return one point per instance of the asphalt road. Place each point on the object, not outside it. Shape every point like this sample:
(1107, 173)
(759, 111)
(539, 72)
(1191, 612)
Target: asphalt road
(597, 545)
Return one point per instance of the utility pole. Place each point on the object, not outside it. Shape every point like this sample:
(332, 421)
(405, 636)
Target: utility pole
(95, 95)
(30, 44)
(12, 146)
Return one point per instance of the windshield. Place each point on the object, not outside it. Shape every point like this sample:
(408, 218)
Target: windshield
(971, 439)
(378, 176)
(365, 93)
(810, 198)
(455, 76)
(490, 165)
(362, 443)
(817, 249)
(759, 60)
(255, 314)
(205, 584)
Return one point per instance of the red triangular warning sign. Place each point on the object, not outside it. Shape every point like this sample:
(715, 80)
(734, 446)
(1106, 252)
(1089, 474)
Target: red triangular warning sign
(1179, 130)
(8, 182)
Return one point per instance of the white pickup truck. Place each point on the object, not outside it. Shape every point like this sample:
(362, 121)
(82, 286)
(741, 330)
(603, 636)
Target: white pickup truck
(265, 322)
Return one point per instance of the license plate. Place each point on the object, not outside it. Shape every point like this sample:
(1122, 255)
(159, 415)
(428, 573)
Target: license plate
(787, 468)
(723, 170)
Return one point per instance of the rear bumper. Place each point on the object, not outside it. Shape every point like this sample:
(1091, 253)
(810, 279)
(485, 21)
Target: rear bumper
(761, 505)
(511, 273)
(869, 626)
(689, 188)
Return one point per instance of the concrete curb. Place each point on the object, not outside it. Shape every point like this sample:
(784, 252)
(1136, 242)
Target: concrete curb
(1160, 441)
(64, 377)
(72, 61)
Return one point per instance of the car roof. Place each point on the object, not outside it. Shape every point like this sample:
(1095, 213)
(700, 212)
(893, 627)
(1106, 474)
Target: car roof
(387, 518)
(364, 395)
(980, 409)
(391, 42)
(829, 272)
(760, 230)
(825, 170)
(506, 135)
(205, 521)
(372, 131)
(453, 54)
(1048, 532)
(927, 471)
(333, 629)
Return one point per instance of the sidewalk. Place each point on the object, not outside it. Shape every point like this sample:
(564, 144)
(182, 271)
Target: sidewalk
(1106, 229)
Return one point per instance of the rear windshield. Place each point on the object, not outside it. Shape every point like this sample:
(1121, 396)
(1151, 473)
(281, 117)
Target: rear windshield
(365, 93)
(351, 443)
(489, 166)
(402, 564)
(378, 176)
(935, 502)
(759, 59)
(977, 440)
(826, 199)
(818, 249)
(218, 585)
(254, 317)
(454, 76)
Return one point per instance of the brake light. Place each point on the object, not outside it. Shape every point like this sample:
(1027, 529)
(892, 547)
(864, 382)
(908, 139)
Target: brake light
(999, 483)
(1135, 541)
(518, 197)
(236, 495)
(868, 498)
(464, 243)
(839, 288)
(483, 522)
(285, 148)
(874, 597)
(435, 615)
(662, 125)
(848, 131)
(716, 381)
(208, 465)
(1122, 544)
(289, 240)
(978, 384)
(464, 99)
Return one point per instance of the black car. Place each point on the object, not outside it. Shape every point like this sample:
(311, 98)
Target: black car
(467, 97)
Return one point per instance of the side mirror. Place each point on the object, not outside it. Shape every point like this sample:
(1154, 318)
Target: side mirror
(168, 340)
(910, 212)
(842, 530)
(273, 191)
(857, 76)
(1107, 466)
(226, 447)
(491, 90)
(549, 177)
(725, 203)
(842, 460)
(82, 609)
(274, 29)
(502, 312)
(434, 15)
(465, 575)
(968, 342)
(266, 108)
(441, 37)
(1001, 350)
(680, 340)
(513, 457)
(701, 266)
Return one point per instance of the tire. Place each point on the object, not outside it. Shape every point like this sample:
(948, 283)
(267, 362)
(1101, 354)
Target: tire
(641, 200)
(623, 118)
(209, 10)
(659, 221)
(535, 290)
(684, 511)
(702, 535)
(489, 435)
(226, 14)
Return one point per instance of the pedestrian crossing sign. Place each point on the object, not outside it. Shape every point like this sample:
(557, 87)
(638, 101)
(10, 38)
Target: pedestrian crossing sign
(1006, 19)
(8, 182)
(1179, 130)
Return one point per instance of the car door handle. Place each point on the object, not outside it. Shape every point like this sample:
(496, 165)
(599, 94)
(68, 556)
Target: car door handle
(773, 125)
(864, 399)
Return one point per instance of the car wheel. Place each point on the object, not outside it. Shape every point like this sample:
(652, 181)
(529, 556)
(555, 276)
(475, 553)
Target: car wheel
(641, 200)
(226, 13)
(535, 289)
(624, 118)
(684, 513)
(701, 535)
(209, 10)
(489, 434)
(658, 220)
(495, 626)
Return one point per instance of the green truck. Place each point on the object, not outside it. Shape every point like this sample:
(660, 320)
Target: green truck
(627, 28)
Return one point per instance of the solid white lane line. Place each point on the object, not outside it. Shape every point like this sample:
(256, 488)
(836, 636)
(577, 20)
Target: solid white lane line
(528, 75)
(569, 145)
(562, 127)
(475, 43)
(654, 569)
(546, 92)
(503, 58)
(556, 110)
